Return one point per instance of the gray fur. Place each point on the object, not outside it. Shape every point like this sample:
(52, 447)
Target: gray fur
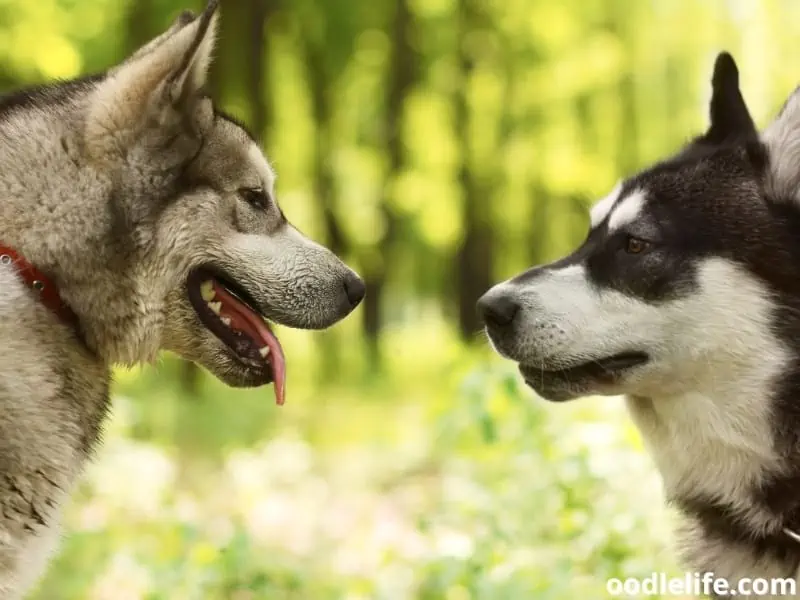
(118, 187)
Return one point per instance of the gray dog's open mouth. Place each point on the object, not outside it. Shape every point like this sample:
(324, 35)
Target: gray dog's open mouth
(227, 311)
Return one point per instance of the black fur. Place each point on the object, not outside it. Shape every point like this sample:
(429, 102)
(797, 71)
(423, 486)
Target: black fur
(714, 190)
(730, 118)
(738, 220)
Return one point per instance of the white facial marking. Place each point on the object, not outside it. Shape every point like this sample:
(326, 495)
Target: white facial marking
(600, 210)
(570, 271)
(627, 211)
(265, 171)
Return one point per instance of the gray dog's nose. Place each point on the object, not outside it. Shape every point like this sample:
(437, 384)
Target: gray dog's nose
(354, 288)
(497, 309)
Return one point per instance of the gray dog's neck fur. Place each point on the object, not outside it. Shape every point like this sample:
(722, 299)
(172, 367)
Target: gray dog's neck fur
(65, 224)
(54, 391)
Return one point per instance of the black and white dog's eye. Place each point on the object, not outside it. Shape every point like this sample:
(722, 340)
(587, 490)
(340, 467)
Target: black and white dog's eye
(256, 197)
(636, 245)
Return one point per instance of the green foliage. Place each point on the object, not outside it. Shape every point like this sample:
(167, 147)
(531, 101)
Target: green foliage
(455, 483)
(439, 476)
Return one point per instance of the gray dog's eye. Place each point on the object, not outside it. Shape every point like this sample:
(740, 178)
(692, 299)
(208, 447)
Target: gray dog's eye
(256, 197)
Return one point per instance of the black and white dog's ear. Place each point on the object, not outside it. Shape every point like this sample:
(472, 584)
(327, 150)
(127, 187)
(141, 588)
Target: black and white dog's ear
(158, 90)
(730, 118)
(782, 142)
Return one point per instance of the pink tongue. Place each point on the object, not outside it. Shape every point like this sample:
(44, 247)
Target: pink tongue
(245, 320)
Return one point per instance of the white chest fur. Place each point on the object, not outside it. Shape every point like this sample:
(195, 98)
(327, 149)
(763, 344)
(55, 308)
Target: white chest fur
(716, 448)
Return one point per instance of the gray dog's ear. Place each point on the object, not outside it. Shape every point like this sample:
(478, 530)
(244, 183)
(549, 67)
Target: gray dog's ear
(157, 92)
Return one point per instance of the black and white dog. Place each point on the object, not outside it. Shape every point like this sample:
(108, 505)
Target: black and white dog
(685, 297)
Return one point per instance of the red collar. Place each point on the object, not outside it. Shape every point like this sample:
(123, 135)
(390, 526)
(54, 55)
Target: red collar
(41, 285)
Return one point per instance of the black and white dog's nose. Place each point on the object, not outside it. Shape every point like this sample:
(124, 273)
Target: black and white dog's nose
(497, 308)
(355, 289)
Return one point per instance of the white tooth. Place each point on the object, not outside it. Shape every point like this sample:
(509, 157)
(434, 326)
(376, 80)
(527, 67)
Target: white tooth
(207, 290)
(215, 306)
(264, 352)
(226, 321)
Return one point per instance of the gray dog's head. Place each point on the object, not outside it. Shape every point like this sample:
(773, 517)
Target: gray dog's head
(193, 207)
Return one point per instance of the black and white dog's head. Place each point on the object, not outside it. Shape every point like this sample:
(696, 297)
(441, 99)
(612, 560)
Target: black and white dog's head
(685, 266)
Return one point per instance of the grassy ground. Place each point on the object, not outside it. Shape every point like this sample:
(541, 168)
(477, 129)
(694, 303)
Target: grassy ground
(440, 479)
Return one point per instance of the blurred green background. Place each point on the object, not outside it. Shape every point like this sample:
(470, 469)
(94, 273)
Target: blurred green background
(439, 146)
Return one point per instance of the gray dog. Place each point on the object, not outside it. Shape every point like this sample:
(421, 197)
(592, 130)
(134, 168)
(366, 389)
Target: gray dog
(134, 218)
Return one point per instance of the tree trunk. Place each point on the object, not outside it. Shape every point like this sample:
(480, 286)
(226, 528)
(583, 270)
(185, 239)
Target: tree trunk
(628, 156)
(323, 180)
(323, 176)
(139, 25)
(539, 235)
(401, 79)
(260, 99)
(475, 252)
(628, 150)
